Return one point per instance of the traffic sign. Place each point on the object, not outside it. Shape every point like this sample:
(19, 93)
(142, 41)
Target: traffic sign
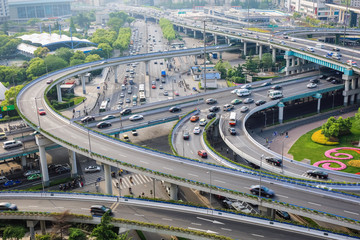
(7, 108)
(1, 116)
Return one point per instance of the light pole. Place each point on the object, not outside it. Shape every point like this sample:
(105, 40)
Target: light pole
(209, 172)
(205, 55)
(345, 18)
(87, 124)
(333, 100)
(37, 113)
(261, 159)
(282, 154)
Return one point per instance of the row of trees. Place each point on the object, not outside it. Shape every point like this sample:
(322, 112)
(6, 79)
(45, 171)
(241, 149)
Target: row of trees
(167, 29)
(8, 45)
(335, 128)
(123, 40)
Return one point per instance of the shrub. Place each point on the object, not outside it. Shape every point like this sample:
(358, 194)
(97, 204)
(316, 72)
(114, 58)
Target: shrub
(320, 138)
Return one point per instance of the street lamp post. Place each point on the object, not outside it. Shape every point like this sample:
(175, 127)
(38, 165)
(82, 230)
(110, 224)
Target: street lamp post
(37, 113)
(210, 189)
(261, 159)
(87, 124)
(282, 154)
(345, 22)
(333, 100)
(204, 55)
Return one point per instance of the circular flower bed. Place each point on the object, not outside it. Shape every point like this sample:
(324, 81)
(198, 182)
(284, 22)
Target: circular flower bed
(320, 138)
(337, 154)
(326, 164)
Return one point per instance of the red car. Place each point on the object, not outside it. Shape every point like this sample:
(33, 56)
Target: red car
(41, 111)
(202, 153)
(153, 86)
(194, 118)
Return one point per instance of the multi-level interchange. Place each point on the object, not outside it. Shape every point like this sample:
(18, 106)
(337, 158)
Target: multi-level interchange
(294, 193)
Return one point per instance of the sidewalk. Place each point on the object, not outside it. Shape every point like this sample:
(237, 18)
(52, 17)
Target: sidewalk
(295, 130)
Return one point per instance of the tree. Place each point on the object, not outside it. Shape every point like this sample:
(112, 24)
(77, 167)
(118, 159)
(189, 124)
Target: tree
(74, 62)
(64, 53)
(76, 234)
(251, 66)
(106, 48)
(41, 52)
(92, 58)
(14, 232)
(72, 26)
(78, 55)
(222, 68)
(266, 60)
(36, 68)
(104, 230)
(334, 128)
(53, 63)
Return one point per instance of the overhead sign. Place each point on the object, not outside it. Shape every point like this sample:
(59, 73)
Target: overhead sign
(8, 108)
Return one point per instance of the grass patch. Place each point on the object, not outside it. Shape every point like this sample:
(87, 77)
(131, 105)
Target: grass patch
(78, 100)
(305, 148)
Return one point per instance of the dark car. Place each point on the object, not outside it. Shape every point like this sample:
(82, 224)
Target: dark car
(186, 135)
(134, 132)
(125, 111)
(211, 115)
(103, 124)
(88, 119)
(283, 214)
(276, 87)
(232, 131)
(274, 160)
(5, 206)
(260, 102)
(99, 210)
(214, 109)
(336, 81)
(315, 80)
(265, 84)
(267, 192)
(62, 169)
(317, 173)
(329, 79)
(175, 109)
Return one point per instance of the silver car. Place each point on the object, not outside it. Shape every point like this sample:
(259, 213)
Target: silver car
(91, 169)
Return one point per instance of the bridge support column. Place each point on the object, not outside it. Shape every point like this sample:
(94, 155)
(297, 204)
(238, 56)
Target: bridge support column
(228, 41)
(215, 39)
(260, 51)
(82, 76)
(318, 96)
(72, 158)
(43, 227)
(123, 230)
(41, 141)
(115, 73)
(353, 86)
(245, 48)
(281, 112)
(194, 33)
(185, 31)
(178, 28)
(23, 162)
(58, 91)
(147, 67)
(107, 173)
(31, 225)
(346, 79)
(287, 65)
(174, 191)
(274, 55)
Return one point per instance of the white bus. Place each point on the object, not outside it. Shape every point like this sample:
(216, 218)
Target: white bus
(232, 120)
(103, 106)
(142, 98)
(141, 87)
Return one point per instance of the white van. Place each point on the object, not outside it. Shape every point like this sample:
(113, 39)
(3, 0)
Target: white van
(320, 45)
(11, 144)
(243, 92)
(310, 49)
(275, 94)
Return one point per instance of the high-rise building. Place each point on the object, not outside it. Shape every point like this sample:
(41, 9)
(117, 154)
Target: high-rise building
(4, 11)
(355, 3)
(312, 8)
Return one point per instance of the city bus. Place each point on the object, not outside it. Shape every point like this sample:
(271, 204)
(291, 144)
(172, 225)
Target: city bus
(141, 87)
(232, 120)
(142, 98)
(103, 106)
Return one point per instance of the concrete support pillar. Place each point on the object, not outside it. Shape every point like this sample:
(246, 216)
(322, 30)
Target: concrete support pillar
(31, 225)
(178, 28)
(41, 141)
(194, 34)
(174, 191)
(23, 161)
(346, 89)
(281, 112)
(82, 76)
(274, 55)
(293, 59)
(185, 31)
(115, 73)
(108, 182)
(147, 67)
(228, 41)
(215, 39)
(72, 158)
(353, 86)
(245, 47)
(58, 91)
(318, 105)
(260, 51)
(43, 227)
(287, 65)
(256, 50)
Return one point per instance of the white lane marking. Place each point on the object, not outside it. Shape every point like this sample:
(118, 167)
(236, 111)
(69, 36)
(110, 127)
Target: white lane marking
(203, 230)
(209, 220)
(282, 196)
(219, 181)
(167, 168)
(257, 235)
(197, 224)
(192, 174)
(167, 219)
(317, 204)
(139, 215)
(144, 162)
(122, 155)
(351, 212)
(226, 229)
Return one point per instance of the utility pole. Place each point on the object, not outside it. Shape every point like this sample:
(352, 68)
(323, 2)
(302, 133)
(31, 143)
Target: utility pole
(345, 17)
(205, 54)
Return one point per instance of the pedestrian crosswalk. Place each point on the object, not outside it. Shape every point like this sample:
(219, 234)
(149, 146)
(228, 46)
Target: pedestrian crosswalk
(131, 180)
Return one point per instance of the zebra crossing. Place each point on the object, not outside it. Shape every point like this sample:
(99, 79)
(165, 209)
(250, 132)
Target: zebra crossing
(137, 179)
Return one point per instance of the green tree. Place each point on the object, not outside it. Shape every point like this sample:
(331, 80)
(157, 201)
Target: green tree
(104, 230)
(43, 237)
(104, 36)
(72, 26)
(222, 67)
(61, 223)
(92, 58)
(266, 60)
(32, 21)
(106, 48)
(251, 66)
(356, 123)
(76, 234)
(123, 40)
(14, 232)
(53, 63)
(336, 127)
(41, 52)
(74, 62)
(78, 55)
(64, 53)
(36, 68)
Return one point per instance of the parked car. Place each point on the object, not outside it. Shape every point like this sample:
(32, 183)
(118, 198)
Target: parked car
(267, 192)
(88, 119)
(93, 168)
(34, 176)
(214, 109)
(136, 117)
(260, 102)
(274, 160)
(211, 101)
(6, 206)
(317, 173)
(202, 153)
(194, 118)
(232, 131)
(197, 130)
(62, 169)
(186, 135)
(103, 124)
(125, 111)
(175, 109)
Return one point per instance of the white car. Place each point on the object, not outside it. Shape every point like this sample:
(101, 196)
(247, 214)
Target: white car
(31, 172)
(244, 109)
(203, 122)
(136, 117)
(234, 91)
(91, 169)
(311, 85)
(197, 130)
